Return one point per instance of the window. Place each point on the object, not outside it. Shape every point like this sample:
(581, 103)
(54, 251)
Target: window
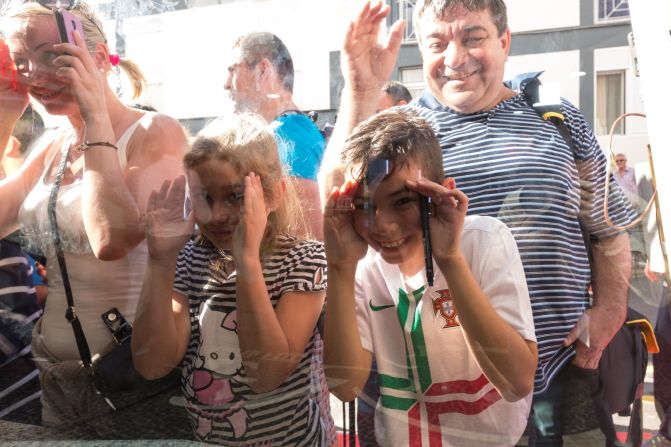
(413, 79)
(609, 102)
(612, 10)
(406, 8)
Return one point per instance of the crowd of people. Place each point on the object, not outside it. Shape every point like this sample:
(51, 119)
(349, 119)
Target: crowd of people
(445, 259)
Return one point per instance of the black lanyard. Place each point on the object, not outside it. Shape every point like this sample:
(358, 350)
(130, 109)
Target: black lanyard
(70, 314)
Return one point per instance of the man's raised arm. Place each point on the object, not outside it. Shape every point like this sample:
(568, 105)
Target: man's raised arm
(366, 66)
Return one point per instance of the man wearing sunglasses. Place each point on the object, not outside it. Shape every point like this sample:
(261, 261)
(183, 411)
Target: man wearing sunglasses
(625, 176)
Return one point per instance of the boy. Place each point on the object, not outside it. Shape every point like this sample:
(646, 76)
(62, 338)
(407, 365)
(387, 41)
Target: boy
(456, 359)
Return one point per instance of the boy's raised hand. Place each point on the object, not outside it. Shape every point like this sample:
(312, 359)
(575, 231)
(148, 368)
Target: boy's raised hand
(344, 246)
(251, 228)
(449, 207)
(167, 230)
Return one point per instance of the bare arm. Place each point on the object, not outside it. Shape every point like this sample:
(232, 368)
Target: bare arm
(113, 198)
(507, 359)
(13, 101)
(366, 67)
(346, 362)
(308, 193)
(611, 271)
(272, 341)
(162, 327)
(15, 188)
(111, 205)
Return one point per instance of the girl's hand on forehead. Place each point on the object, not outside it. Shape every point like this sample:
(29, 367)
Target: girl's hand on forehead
(13, 94)
(344, 247)
(449, 206)
(251, 228)
(77, 67)
(166, 229)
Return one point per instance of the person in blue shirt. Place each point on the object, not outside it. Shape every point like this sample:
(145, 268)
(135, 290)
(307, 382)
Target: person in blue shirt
(261, 81)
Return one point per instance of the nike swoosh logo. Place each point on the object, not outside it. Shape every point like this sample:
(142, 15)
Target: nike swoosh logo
(375, 308)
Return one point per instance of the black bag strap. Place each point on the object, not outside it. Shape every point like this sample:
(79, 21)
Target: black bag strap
(635, 431)
(529, 84)
(70, 314)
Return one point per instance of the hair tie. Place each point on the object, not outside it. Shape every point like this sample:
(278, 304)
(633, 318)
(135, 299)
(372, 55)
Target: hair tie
(115, 59)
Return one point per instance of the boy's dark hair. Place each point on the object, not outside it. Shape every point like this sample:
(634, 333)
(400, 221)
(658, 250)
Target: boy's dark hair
(439, 9)
(400, 136)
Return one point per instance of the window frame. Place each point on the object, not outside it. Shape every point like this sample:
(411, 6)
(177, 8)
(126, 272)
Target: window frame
(623, 103)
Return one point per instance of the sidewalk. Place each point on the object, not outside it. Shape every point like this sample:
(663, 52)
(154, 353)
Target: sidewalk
(12, 434)
(589, 439)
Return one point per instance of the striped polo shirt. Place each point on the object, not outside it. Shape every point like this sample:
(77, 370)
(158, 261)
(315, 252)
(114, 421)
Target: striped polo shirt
(516, 167)
(221, 405)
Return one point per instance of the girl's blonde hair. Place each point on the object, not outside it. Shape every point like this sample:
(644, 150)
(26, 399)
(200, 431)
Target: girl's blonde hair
(93, 33)
(246, 142)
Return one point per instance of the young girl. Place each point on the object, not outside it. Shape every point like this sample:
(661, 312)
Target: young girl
(238, 307)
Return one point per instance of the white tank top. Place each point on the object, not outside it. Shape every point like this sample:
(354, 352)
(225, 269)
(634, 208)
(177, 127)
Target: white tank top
(97, 285)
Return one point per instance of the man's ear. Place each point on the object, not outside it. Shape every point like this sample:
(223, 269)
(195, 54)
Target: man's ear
(449, 183)
(505, 42)
(265, 68)
(402, 102)
(265, 75)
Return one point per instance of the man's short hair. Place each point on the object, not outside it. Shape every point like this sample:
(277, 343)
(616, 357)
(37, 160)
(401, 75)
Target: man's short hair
(397, 91)
(400, 136)
(439, 9)
(259, 45)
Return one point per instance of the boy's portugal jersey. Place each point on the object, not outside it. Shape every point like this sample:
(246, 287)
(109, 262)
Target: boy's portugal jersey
(432, 391)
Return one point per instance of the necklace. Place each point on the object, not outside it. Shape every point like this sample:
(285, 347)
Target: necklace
(226, 263)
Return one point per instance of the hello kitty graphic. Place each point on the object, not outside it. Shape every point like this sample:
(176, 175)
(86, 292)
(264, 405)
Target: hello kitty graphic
(217, 363)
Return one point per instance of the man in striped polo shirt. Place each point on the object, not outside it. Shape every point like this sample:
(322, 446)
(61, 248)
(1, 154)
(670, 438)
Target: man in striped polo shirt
(513, 166)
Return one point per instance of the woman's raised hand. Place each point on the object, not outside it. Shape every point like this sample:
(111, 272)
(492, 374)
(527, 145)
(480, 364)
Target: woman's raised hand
(343, 244)
(13, 94)
(166, 228)
(86, 79)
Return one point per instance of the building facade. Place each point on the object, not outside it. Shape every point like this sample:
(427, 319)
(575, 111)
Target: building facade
(183, 46)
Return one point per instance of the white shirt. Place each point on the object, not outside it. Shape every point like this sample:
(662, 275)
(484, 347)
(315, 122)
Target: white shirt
(427, 373)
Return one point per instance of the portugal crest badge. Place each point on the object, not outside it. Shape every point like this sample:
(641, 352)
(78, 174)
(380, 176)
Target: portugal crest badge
(443, 304)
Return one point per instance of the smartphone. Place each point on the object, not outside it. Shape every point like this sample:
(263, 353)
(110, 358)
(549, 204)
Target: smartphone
(68, 24)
